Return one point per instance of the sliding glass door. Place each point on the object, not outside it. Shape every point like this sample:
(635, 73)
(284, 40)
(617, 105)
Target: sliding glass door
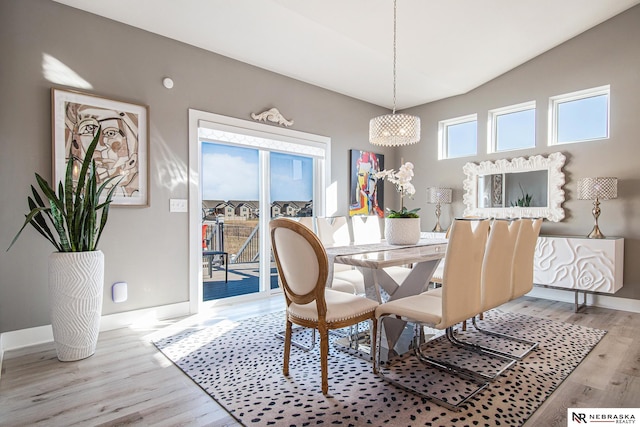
(241, 175)
(242, 189)
(290, 191)
(230, 212)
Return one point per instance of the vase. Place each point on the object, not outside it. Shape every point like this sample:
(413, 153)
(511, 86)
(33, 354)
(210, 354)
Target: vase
(402, 231)
(75, 297)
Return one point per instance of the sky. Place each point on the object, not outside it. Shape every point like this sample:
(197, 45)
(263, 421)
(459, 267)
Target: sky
(232, 173)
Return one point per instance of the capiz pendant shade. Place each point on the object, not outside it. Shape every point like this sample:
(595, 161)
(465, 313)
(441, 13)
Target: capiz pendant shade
(392, 130)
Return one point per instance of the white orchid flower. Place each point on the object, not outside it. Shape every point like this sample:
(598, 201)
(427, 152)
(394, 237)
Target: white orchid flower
(402, 180)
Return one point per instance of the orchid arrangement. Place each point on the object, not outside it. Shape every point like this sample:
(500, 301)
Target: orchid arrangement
(402, 180)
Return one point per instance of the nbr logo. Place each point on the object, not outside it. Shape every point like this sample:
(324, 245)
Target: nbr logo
(579, 418)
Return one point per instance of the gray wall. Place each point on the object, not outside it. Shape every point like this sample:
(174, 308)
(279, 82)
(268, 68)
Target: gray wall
(606, 54)
(148, 246)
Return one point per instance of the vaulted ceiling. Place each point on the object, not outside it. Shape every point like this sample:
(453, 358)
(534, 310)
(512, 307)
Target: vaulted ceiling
(444, 48)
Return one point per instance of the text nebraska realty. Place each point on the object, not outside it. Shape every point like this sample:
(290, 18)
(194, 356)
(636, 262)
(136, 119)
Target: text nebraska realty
(612, 418)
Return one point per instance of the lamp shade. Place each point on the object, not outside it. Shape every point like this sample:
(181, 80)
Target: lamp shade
(597, 188)
(439, 195)
(392, 130)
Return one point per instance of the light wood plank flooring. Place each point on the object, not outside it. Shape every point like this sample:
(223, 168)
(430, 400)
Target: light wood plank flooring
(128, 382)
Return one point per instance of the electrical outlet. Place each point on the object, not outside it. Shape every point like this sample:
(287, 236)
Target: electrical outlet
(178, 205)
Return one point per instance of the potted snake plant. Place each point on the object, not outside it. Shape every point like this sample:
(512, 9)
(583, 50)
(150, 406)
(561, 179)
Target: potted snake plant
(72, 220)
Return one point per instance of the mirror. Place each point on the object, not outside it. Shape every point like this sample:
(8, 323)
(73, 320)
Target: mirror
(514, 188)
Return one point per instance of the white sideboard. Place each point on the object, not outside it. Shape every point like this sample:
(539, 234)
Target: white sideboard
(574, 263)
(579, 263)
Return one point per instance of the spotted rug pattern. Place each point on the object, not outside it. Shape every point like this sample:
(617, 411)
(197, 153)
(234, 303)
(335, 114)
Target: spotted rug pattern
(240, 365)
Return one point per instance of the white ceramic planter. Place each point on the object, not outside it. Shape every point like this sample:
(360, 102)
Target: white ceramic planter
(402, 231)
(75, 297)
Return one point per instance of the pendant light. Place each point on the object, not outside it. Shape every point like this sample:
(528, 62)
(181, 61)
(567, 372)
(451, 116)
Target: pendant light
(393, 129)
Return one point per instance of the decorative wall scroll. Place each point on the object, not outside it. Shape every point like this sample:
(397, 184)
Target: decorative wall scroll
(272, 115)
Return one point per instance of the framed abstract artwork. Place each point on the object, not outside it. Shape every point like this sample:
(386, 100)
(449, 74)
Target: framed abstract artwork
(123, 148)
(367, 192)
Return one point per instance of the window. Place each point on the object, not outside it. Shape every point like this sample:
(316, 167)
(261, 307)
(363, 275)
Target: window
(512, 128)
(458, 137)
(579, 116)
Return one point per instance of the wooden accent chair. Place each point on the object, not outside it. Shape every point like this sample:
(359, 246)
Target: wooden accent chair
(303, 268)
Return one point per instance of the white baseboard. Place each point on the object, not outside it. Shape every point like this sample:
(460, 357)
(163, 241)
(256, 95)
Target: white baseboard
(13, 340)
(596, 300)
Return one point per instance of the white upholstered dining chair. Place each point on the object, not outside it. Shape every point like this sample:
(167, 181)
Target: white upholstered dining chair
(460, 298)
(523, 257)
(307, 221)
(495, 280)
(505, 282)
(303, 268)
(339, 284)
(366, 229)
(334, 231)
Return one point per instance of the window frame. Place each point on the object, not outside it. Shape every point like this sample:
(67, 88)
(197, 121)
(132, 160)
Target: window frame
(443, 141)
(492, 125)
(556, 100)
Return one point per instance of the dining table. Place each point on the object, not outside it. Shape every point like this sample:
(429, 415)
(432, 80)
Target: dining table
(372, 258)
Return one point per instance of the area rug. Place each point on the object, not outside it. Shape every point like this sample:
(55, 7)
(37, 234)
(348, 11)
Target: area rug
(239, 364)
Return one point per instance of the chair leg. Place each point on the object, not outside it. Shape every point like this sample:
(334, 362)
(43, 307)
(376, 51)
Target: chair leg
(287, 348)
(532, 344)
(479, 384)
(324, 356)
(482, 350)
(374, 338)
(376, 356)
(464, 373)
(301, 346)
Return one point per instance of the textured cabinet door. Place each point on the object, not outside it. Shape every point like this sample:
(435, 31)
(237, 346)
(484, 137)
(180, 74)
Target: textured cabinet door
(579, 263)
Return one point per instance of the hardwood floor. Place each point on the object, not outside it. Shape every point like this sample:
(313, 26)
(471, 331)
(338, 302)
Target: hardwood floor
(128, 382)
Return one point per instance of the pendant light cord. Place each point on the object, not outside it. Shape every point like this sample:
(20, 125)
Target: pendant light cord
(394, 53)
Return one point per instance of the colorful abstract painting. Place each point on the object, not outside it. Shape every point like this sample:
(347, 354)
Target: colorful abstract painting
(367, 192)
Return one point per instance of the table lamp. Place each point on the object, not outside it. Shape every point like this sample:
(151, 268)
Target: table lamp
(438, 196)
(597, 189)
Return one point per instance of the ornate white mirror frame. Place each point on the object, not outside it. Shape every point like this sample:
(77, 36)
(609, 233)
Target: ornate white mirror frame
(555, 194)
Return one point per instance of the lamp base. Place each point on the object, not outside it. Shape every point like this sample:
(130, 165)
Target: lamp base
(596, 233)
(437, 228)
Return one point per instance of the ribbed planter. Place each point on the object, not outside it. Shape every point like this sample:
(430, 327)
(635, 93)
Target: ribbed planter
(75, 296)
(402, 231)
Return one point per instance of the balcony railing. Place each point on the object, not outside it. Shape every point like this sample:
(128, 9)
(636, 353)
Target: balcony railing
(241, 241)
